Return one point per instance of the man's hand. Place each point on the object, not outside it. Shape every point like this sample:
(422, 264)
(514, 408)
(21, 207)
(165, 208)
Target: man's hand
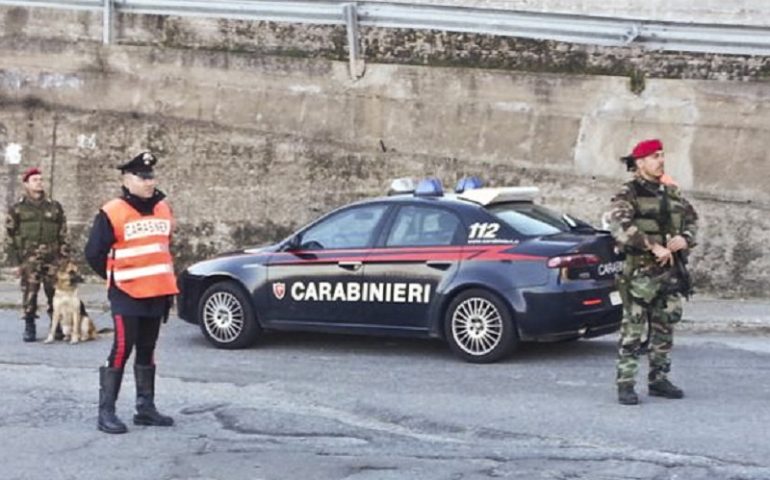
(677, 243)
(662, 255)
(17, 272)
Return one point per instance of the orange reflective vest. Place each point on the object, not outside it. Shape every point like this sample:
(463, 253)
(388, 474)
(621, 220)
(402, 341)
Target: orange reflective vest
(140, 263)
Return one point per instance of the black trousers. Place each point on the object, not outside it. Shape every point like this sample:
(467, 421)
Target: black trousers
(133, 332)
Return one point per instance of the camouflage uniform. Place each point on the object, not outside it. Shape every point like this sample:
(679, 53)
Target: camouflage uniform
(644, 213)
(36, 239)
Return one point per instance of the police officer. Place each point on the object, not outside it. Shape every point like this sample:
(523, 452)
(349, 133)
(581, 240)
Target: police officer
(655, 227)
(35, 241)
(129, 246)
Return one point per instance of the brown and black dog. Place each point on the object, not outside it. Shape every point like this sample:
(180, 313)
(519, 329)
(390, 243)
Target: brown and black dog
(68, 309)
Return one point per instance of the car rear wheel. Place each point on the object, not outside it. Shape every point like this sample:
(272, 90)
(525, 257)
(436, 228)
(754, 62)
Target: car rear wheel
(479, 328)
(226, 316)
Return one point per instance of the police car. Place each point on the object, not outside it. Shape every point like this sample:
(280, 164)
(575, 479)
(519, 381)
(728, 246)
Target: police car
(482, 268)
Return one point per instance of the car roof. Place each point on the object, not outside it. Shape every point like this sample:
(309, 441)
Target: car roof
(470, 199)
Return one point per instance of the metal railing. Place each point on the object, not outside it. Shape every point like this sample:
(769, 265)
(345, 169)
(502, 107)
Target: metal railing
(582, 29)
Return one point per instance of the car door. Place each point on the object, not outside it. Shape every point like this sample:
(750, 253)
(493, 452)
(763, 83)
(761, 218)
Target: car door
(420, 252)
(315, 282)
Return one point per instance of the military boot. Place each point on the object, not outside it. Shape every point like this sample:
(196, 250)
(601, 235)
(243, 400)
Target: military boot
(146, 413)
(30, 334)
(666, 389)
(627, 395)
(109, 387)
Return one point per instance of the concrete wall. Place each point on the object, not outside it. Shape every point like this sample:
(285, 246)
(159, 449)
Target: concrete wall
(260, 128)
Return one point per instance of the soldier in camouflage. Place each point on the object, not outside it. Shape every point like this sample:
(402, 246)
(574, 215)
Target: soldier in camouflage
(35, 241)
(655, 227)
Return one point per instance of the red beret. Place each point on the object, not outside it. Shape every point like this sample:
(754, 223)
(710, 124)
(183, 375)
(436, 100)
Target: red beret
(646, 147)
(29, 172)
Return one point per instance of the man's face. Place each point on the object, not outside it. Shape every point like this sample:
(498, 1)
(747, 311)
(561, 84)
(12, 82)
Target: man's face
(652, 167)
(34, 185)
(141, 187)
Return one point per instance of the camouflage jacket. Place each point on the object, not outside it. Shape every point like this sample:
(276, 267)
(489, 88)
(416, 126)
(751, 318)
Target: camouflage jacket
(35, 228)
(644, 213)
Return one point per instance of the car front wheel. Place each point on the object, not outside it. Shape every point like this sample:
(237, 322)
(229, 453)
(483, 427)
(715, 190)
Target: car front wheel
(226, 316)
(479, 327)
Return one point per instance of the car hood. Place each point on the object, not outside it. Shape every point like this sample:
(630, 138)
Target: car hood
(225, 262)
(248, 251)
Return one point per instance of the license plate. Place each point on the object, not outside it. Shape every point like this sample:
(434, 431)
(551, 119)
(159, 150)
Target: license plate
(615, 298)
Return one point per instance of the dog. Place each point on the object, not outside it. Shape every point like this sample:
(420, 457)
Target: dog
(68, 310)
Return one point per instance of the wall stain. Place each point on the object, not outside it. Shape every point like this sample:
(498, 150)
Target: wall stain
(16, 21)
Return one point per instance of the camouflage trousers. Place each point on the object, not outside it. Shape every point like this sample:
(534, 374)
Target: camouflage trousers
(660, 314)
(34, 271)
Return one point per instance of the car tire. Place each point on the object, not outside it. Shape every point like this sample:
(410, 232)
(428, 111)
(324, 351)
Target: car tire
(479, 328)
(226, 316)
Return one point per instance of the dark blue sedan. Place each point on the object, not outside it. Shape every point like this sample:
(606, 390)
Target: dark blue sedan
(483, 269)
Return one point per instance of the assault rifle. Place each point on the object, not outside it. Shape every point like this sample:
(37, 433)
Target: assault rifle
(684, 281)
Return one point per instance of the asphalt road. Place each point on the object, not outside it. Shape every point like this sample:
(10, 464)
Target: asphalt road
(308, 406)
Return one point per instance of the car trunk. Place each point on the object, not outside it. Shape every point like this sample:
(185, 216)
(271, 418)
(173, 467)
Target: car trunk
(580, 256)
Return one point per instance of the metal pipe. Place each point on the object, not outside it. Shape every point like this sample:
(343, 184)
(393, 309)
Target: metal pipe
(107, 22)
(356, 64)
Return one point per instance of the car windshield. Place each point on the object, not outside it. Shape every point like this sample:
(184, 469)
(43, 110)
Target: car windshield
(530, 219)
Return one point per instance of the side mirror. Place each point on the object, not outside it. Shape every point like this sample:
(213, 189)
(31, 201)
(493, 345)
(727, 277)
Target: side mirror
(293, 244)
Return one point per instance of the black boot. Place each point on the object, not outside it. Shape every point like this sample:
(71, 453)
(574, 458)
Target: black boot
(146, 413)
(627, 395)
(109, 386)
(30, 334)
(664, 388)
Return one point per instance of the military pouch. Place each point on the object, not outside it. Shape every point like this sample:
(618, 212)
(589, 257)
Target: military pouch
(671, 284)
(644, 288)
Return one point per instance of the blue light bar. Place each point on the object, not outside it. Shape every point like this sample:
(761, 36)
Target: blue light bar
(429, 187)
(468, 183)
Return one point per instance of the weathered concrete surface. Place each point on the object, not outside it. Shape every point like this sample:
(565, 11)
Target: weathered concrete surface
(254, 144)
(44, 29)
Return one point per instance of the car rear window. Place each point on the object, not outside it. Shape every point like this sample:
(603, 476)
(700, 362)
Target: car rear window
(530, 219)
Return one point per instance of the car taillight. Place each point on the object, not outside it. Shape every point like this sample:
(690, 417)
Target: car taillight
(573, 261)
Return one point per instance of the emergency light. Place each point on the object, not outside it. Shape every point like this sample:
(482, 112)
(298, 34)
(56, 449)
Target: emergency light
(468, 183)
(429, 187)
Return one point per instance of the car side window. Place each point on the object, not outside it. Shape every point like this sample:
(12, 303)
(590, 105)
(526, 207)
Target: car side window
(352, 228)
(424, 226)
